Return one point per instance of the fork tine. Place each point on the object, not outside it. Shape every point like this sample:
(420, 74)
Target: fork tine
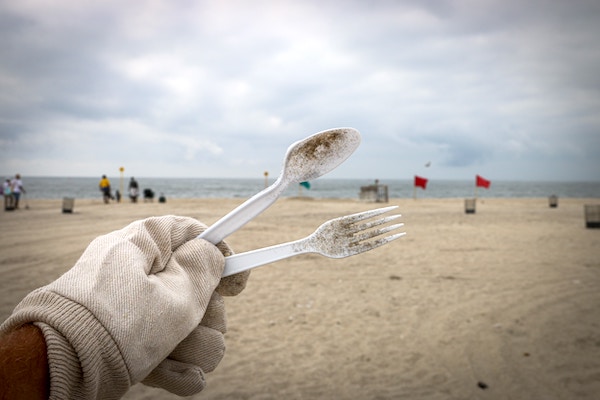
(371, 224)
(376, 232)
(368, 214)
(366, 246)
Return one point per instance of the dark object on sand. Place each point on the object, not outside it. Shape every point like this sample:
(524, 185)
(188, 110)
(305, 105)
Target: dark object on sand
(592, 215)
(470, 206)
(148, 195)
(67, 205)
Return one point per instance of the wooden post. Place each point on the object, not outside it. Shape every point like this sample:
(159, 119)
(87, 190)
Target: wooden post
(266, 178)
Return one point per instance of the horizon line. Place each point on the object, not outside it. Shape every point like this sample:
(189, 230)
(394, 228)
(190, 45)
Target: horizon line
(381, 180)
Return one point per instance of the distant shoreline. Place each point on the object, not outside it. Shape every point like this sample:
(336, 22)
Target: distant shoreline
(308, 198)
(274, 176)
(57, 188)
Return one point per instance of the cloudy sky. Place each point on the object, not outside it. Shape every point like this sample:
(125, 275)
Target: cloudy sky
(179, 88)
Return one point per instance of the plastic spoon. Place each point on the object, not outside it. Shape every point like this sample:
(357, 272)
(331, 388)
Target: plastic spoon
(305, 160)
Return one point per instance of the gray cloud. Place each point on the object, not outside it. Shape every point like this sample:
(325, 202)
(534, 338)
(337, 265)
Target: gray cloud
(222, 88)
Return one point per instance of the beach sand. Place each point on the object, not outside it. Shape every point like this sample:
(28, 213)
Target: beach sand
(500, 304)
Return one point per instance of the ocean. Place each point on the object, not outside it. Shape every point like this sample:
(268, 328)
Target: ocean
(87, 188)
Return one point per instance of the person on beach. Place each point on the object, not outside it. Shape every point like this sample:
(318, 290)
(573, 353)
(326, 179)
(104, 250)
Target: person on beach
(8, 196)
(105, 189)
(134, 190)
(17, 188)
(142, 304)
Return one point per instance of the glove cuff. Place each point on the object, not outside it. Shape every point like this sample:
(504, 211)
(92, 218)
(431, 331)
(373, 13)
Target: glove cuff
(84, 361)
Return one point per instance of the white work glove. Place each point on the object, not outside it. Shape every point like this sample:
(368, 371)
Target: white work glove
(140, 304)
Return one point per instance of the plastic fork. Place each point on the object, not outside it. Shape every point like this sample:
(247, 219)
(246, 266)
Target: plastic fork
(336, 238)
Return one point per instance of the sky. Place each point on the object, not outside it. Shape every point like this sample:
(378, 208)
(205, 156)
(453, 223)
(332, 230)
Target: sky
(506, 89)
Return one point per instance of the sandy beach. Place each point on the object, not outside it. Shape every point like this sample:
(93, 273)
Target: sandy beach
(500, 304)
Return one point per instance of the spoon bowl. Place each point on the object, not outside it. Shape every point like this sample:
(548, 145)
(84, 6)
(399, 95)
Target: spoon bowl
(319, 153)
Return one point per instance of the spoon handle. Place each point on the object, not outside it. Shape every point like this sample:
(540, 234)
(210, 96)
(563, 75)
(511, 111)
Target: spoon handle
(244, 213)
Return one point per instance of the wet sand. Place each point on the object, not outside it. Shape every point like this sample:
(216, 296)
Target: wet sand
(500, 304)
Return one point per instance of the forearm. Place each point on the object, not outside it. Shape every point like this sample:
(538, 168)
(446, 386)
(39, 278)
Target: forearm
(23, 364)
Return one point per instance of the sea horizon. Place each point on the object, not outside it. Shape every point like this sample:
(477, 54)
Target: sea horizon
(272, 177)
(50, 187)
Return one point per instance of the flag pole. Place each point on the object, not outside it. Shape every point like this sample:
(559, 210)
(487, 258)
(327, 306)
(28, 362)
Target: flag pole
(121, 170)
(414, 192)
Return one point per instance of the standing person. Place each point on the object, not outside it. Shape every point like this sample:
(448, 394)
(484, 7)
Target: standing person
(8, 196)
(105, 189)
(17, 188)
(133, 190)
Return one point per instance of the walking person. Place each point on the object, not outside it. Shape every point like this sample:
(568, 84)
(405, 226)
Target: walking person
(17, 188)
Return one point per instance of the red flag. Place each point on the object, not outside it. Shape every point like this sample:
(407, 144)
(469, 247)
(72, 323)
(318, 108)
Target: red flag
(420, 182)
(482, 182)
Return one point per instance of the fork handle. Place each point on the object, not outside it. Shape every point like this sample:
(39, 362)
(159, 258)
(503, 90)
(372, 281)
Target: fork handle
(255, 258)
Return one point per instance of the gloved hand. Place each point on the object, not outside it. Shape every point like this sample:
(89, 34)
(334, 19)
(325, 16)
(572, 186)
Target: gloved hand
(182, 372)
(128, 304)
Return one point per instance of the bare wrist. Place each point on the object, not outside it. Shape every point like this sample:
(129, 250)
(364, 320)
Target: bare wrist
(23, 364)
